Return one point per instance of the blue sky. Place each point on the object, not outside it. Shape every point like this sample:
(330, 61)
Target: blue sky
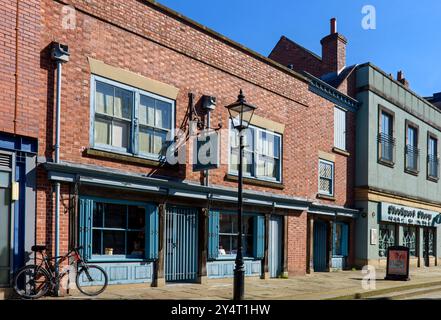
(407, 34)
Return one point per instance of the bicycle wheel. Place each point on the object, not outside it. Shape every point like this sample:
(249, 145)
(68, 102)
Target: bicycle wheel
(91, 280)
(31, 282)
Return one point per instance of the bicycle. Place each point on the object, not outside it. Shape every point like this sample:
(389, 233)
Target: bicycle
(34, 281)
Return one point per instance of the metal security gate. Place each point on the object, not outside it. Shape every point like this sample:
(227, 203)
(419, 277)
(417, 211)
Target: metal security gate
(320, 245)
(275, 246)
(181, 256)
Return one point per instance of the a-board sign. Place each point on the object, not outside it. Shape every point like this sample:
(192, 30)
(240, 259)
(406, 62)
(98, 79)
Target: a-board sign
(397, 263)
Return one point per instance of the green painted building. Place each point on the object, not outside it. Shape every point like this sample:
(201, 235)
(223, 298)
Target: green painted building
(397, 170)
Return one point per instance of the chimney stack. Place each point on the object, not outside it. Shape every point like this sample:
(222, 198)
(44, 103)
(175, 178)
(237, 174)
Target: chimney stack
(334, 50)
(401, 79)
(333, 25)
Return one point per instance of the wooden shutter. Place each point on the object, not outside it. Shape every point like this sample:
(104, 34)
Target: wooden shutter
(259, 237)
(152, 232)
(345, 240)
(86, 209)
(213, 234)
(339, 128)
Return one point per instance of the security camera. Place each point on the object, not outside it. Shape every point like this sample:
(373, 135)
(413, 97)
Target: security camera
(209, 103)
(60, 52)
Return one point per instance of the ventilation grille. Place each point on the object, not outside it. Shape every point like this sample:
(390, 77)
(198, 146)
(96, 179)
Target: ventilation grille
(5, 161)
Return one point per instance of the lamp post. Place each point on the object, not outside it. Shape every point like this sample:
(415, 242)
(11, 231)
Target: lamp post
(241, 114)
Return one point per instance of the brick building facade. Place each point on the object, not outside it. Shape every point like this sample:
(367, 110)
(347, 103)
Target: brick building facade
(141, 60)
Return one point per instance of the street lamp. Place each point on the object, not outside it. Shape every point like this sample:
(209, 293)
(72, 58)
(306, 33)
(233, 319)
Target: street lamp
(241, 114)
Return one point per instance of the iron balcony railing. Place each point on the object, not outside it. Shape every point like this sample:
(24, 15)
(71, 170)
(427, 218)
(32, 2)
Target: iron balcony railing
(412, 154)
(387, 146)
(433, 166)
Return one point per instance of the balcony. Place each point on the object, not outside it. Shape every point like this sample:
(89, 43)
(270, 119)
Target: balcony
(386, 149)
(412, 154)
(432, 167)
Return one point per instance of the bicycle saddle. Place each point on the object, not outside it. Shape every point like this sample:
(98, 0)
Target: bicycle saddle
(38, 248)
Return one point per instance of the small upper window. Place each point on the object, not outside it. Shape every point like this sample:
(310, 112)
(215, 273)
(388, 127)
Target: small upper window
(326, 177)
(432, 158)
(412, 151)
(339, 128)
(386, 139)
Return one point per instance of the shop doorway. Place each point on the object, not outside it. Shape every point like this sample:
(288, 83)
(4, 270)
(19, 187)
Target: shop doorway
(428, 245)
(275, 254)
(5, 217)
(320, 246)
(181, 247)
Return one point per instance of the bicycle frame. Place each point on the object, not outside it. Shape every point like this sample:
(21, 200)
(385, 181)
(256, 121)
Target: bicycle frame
(48, 266)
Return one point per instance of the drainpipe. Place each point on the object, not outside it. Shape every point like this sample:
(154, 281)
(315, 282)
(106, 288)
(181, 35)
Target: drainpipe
(60, 53)
(17, 25)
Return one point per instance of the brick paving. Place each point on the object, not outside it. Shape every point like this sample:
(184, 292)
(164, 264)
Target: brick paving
(317, 286)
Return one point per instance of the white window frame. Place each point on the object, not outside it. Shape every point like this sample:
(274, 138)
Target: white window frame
(132, 149)
(256, 131)
(337, 134)
(321, 192)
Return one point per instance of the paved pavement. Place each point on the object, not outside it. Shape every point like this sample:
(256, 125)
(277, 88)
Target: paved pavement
(317, 286)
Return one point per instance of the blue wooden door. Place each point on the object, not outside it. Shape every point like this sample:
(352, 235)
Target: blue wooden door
(320, 246)
(181, 255)
(6, 164)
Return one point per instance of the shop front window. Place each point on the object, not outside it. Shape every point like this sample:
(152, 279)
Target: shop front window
(386, 239)
(341, 239)
(118, 230)
(409, 239)
(228, 230)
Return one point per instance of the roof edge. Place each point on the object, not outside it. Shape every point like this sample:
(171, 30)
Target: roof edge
(178, 16)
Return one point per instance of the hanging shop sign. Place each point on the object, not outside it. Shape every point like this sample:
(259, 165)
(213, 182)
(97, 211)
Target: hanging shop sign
(408, 215)
(397, 263)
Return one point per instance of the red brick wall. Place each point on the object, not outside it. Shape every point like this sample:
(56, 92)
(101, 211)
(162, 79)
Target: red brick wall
(135, 36)
(287, 52)
(20, 105)
(297, 231)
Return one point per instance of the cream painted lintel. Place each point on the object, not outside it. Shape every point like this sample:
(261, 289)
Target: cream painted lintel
(379, 197)
(268, 124)
(326, 156)
(133, 79)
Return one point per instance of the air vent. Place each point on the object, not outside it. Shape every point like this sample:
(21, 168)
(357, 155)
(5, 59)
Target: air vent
(5, 161)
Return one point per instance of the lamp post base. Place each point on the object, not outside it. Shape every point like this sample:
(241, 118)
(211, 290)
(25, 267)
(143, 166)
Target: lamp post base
(239, 283)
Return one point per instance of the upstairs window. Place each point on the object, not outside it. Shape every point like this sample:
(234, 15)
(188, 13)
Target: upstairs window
(339, 128)
(411, 151)
(326, 178)
(129, 120)
(113, 116)
(432, 158)
(386, 140)
(262, 154)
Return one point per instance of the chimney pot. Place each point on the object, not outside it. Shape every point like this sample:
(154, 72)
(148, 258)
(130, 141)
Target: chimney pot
(400, 75)
(333, 25)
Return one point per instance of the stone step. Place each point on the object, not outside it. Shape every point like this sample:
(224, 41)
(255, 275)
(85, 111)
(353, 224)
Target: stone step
(389, 291)
(405, 294)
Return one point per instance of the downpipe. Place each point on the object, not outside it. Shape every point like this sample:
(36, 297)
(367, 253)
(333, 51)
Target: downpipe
(60, 53)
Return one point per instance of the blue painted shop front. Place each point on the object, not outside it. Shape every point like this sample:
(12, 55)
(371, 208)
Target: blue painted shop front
(17, 202)
(340, 246)
(120, 236)
(222, 243)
